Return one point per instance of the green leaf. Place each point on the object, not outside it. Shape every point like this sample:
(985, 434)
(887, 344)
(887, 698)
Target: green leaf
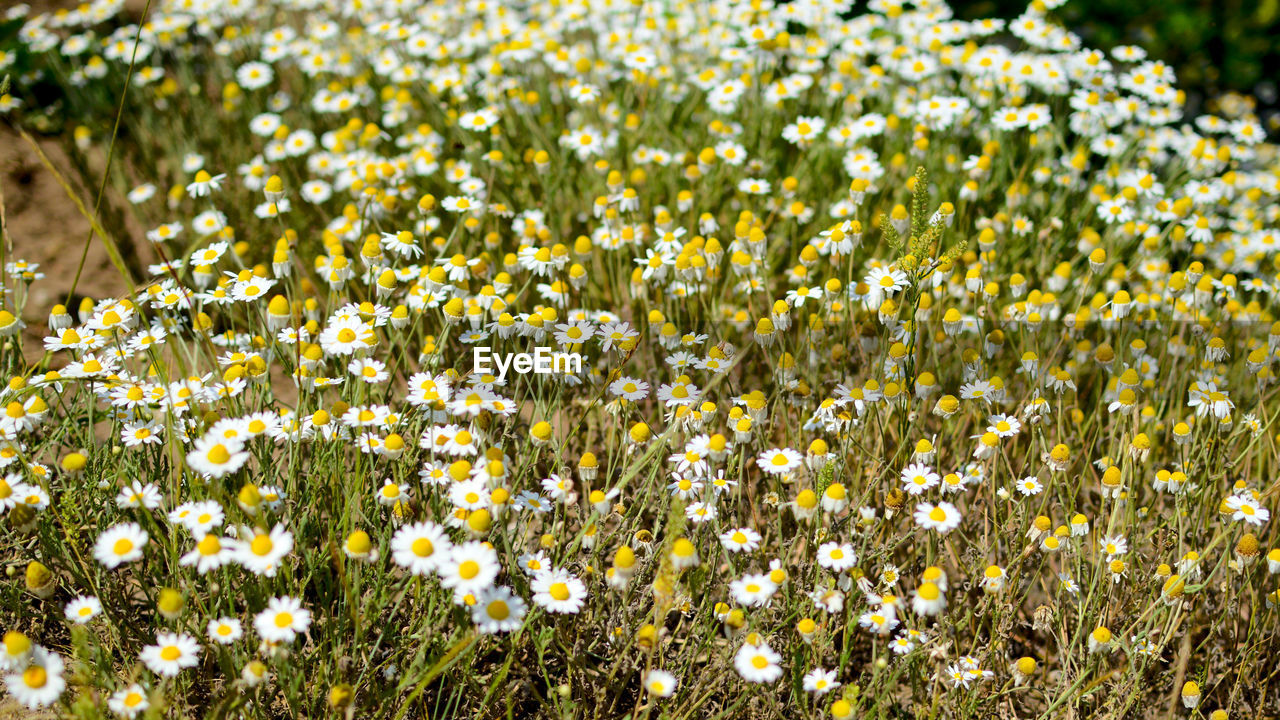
(1267, 12)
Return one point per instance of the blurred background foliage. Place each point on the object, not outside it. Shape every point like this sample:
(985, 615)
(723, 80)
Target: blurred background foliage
(1214, 46)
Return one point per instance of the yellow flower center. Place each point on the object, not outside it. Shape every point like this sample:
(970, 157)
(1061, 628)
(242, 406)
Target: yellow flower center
(422, 547)
(261, 545)
(35, 677)
(559, 591)
(498, 610)
(210, 545)
(218, 454)
(16, 644)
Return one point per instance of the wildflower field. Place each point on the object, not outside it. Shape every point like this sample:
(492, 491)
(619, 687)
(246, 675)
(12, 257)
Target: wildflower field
(927, 367)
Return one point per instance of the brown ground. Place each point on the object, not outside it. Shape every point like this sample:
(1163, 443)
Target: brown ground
(10, 709)
(45, 227)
